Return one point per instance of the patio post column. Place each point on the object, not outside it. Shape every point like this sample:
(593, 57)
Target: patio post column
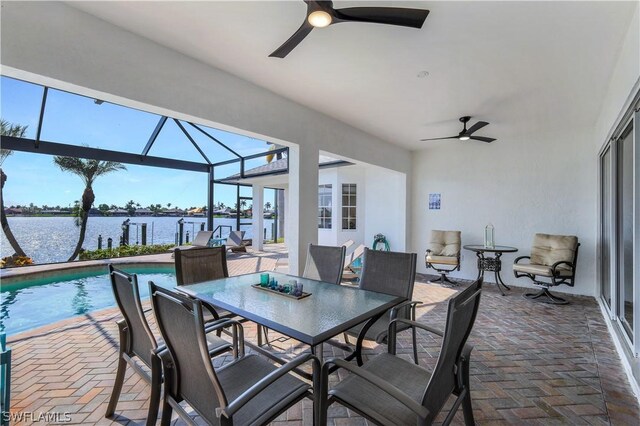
(302, 221)
(258, 217)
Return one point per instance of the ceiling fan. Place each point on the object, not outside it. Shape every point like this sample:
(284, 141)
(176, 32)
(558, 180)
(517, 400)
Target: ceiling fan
(320, 14)
(467, 134)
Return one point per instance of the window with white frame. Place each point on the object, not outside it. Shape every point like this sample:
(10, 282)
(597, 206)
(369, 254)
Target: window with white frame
(324, 206)
(348, 206)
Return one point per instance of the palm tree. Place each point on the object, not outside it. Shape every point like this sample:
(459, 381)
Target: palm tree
(267, 205)
(16, 131)
(88, 171)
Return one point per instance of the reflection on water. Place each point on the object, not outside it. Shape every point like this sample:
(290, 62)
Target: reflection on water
(52, 239)
(81, 302)
(26, 306)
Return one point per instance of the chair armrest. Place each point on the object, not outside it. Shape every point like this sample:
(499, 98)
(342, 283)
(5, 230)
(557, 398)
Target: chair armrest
(238, 333)
(266, 381)
(388, 388)
(519, 258)
(416, 324)
(562, 262)
(209, 307)
(413, 303)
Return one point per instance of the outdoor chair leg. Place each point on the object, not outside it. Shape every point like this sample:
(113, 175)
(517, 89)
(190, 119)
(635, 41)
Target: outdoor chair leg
(156, 384)
(545, 296)
(117, 386)
(415, 347)
(346, 338)
(467, 408)
(444, 280)
(167, 410)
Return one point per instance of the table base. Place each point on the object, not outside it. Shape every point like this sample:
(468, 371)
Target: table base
(491, 264)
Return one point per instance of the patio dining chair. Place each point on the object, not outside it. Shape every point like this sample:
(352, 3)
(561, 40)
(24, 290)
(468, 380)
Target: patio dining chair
(138, 345)
(390, 273)
(389, 390)
(324, 263)
(248, 391)
(199, 265)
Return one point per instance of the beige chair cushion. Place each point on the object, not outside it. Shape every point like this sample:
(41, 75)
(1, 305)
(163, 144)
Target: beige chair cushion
(443, 260)
(541, 270)
(445, 243)
(549, 249)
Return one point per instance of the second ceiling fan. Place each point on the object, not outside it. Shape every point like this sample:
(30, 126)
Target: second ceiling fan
(321, 14)
(467, 134)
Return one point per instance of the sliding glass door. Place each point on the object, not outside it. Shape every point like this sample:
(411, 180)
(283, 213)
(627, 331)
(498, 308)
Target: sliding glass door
(625, 234)
(619, 227)
(605, 226)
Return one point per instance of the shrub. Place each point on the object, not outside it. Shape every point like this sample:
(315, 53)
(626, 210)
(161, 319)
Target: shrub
(15, 260)
(124, 251)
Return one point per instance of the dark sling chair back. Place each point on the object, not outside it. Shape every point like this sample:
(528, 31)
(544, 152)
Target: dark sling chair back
(389, 390)
(247, 391)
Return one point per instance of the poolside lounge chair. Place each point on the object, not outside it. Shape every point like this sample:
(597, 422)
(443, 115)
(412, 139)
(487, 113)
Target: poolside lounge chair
(138, 345)
(201, 240)
(248, 391)
(389, 390)
(349, 271)
(235, 242)
(348, 244)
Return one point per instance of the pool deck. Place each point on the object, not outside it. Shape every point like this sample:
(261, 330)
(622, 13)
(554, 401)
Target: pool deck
(532, 363)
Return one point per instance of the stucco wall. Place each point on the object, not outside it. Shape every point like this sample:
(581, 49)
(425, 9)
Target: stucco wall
(541, 179)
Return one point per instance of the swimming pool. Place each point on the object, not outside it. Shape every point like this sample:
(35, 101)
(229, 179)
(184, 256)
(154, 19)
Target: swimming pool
(34, 303)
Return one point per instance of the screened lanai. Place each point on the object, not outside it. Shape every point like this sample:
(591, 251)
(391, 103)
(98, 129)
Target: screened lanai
(59, 123)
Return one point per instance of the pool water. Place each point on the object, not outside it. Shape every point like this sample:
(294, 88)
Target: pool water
(30, 304)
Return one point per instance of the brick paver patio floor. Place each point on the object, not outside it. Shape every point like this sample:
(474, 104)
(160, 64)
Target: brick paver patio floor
(532, 363)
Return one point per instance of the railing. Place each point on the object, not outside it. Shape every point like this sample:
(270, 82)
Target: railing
(219, 229)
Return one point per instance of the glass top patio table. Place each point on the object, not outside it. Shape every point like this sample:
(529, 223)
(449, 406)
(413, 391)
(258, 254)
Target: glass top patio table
(330, 309)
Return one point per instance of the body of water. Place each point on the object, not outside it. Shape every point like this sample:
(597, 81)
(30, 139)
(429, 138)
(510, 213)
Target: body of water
(52, 239)
(36, 303)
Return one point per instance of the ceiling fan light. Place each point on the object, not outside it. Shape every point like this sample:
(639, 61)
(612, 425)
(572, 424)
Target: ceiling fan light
(464, 138)
(319, 19)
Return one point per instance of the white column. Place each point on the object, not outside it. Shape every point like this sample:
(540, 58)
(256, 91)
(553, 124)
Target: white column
(302, 221)
(258, 217)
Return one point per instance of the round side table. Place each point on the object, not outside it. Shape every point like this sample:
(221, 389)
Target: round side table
(491, 264)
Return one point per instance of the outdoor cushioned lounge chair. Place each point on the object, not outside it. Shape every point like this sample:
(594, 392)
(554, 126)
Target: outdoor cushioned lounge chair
(203, 264)
(138, 345)
(390, 273)
(443, 254)
(235, 242)
(389, 390)
(553, 257)
(247, 391)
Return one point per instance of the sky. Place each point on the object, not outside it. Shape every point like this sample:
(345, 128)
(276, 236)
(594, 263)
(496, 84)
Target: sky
(76, 120)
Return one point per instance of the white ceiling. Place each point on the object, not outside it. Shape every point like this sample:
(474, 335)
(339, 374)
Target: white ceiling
(519, 65)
